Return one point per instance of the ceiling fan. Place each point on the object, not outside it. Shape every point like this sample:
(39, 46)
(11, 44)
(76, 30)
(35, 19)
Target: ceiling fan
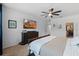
(51, 13)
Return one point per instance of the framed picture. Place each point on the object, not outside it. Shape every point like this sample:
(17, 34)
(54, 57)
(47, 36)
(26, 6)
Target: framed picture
(29, 24)
(12, 24)
(69, 29)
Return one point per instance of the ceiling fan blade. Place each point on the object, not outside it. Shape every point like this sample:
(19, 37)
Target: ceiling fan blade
(50, 10)
(44, 15)
(57, 11)
(45, 12)
(55, 14)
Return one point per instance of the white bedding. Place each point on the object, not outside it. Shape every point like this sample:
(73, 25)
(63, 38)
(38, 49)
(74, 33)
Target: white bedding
(54, 47)
(37, 44)
(71, 47)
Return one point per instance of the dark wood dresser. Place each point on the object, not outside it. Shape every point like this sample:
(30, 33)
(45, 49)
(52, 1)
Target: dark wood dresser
(28, 36)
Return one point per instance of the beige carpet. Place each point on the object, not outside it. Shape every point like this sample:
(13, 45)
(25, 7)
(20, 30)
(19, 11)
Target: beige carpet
(17, 50)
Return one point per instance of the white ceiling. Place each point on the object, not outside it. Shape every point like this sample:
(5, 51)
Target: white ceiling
(36, 8)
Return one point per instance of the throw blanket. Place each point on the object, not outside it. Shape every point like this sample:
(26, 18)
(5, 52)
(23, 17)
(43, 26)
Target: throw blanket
(36, 45)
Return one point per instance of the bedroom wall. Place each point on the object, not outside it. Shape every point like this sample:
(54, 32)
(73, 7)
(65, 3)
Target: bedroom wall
(13, 36)
(60, 32)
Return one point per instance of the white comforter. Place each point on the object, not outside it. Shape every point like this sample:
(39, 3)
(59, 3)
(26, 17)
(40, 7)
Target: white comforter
(71, 47)
(36, 45)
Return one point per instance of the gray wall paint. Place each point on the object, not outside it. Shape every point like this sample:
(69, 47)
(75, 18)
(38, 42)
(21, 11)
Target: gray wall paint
(13, 36)
(60, 32)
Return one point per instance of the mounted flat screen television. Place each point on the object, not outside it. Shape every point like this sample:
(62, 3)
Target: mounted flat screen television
(29, 24)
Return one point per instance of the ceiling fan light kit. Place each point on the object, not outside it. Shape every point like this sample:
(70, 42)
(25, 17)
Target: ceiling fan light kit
(51, 13)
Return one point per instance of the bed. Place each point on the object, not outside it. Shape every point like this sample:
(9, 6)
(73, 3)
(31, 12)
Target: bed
(72, 47)
(53, 47)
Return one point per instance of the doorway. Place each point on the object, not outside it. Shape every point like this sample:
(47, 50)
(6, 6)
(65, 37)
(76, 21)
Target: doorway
(0, 29)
